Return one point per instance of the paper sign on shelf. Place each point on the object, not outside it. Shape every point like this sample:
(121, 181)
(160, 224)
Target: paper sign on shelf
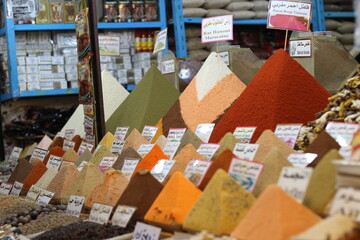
(346, 202)
(149, 132)
(117, 147)
(215, 29)
(5, 188)
(14, 156)
(106, 162)
(244, 134)
(204, 130)
(176, 134)
(129, 167)
(208, 150)
(54, 162)
(109, 45)
(121, 132)
(122, 215)
(68, 144)
(301, 159)
(144, 231)
(44, 197)
(69, 134)
(168, 66)
(289, 15)
(245, 172)
(300, 48)
(171, 148)
(75, 205)
(342, 132)
(161, 169)
(160, 43)
(83, 146)
(145, 149)
(39, 153)
(196, 169)
(100, 213)
(16, 189)
(294, 181)
(245, 151)
(288, 133)
(33, 193)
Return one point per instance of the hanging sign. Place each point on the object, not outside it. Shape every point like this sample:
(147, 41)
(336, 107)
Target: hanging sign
(160, 43)
(215, 29)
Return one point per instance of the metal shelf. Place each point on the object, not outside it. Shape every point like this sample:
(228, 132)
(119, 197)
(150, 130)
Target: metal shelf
(130, 87)
(41, 93)
(340, 14)
(120, 25)
(2, 31)
(236, 21)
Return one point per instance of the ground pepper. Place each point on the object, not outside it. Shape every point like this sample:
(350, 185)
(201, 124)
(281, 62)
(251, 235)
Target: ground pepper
(281, 92)
(22, 169)
(56, 151)
(36, 173)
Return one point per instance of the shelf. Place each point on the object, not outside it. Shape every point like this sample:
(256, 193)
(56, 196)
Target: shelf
(340, 14)
(130, 87)
(236, 21)
(40, 93)
(103, 25)
(2, 31)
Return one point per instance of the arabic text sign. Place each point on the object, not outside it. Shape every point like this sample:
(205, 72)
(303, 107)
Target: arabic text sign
(144, 231)
(208, 150)
(217, 29)
(100, 213)
(288, 133)
(129, 167)
(5, 188)
(121, 132)
(347, 202)
(300, 48)
(245, 151)
(16, 188)
(75, 205)
(343, 133)
(175, 134)
(161, 169)
(44, 197)
(244, 134)
(204, 130)
(84, 145)
(301, 159)
(195, 170)
(149, 132)
(171, 148)
(122, 215)
(14, 156)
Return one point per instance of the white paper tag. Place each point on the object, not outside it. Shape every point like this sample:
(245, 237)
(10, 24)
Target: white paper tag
(176, 134)
(245, 151)
(342, 132)
(288, 133)
(204, 130)
(345, 152)
(215, 29)
(301, 159)
(245, 172)
(294, 181)
(149, 132)
(16, 189)
(5, 188)
(196, 169)
(161, 169)
(346, 202)
(33, 193)
(244, 134)
(168, 66)
(208, 150)
(106, 162)
(121, 132)
(144, 231)
(171, 148)
(89, 124)
(39, 153)
(300, 48)
(160, 43)
(129, 167)
(44, 197)
(54, 162)
(68, 144)
(90, 139)
(83, 146)
(82, 165)
(75, 205)
(59, 134)
(14, 156)
(122, 215)
(145, 149)
(69, 134)
(225, 57)
(100, 213)
(117, 147)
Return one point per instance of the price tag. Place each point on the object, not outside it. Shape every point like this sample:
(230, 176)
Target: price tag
(44, 197)
(54, 162)
(14, 156)
(122, 215)
(342, 132)
(129, 167)
(39, 154)
(294, 181)
(245, 172)
(196, 170)
(161, 169)
(83, 146)
(68, 144)
(301, 159)
(300, 48)
(16, 189)
(215, 29)
(121, 132)
(89, 124)
(145, 149)
(225, 57)
(244, 134)
(149, 132)
(59, 134)
(106, 162)
(245, 151)
(117, 147)
(90, 138)
(5, 188)
(144, 231)
(100, 213)
(66, 162)
(33, 193)
(69, 134)
(346, 202)
(288, 133)
(82, 165)
(208, 150)
(75, 205)
(203, 131)
(168, 66)
(171, 148)
(176, 134)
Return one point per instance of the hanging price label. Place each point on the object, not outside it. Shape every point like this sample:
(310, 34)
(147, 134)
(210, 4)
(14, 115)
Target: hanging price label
(106, 162)
(149, 132)
(83, 146)
(5, 188)
(69, 134)
(288, 133)
(129, 167)
(203, 131)
(117, 147)
(75, 205)
(68, 144)
(39, 153)
(144, 231)
(54, 162)
(301, 159)
(208, 150)
(145, 149)
(122, 215)
(196, 170)
(100, 213)
(245, 151)
(171, 148)
(33, 193)
(176, 134)
(44, 197)
(343, 133)
(121, 132)
(16, 189)
(244, 134)
(161, 169)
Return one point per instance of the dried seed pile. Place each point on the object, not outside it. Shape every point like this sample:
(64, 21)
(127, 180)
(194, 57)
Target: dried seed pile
(11, 205)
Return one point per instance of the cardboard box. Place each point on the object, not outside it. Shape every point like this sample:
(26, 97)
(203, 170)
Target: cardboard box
(32, 78)
(32, 69)
(31, 61)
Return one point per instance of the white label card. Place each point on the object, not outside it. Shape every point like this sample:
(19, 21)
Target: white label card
(69, 134)
(225, 57)
(144, 231)
(129, 167)
(54, 162)
(244, 134)
(149, 132)
(342, 132)
(83, 146)
(345, 152)
(161, 169)
(171, 148)
(208, 150)
(121, 132)
(59, 134)
(203, 131)
(16, 189)
(81, 166)
(33, 193)
(245, 172)
(145, 149)
(106, 162)
(300, 48)
(14, 156)
(89, 124)
(215, 29)
(160, 43)
(39, 153)
(100, 213)
(122, 215)
(68, 144)
(245, 151)
(176, 134)
(168, 66)
(75, 205)
(44, 197)
(346, 202)
(117, 147)
(301, 159)
(288, 133)
(5, 188)
(196, 170)
(294, 181)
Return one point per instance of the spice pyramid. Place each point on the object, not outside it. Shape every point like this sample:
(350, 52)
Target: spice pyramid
(70, 156)
(146, 104)
(36, 173)
(77, 140)
(189, 137)
(227, 142)
(28, 150)
(45, 142)
(321, 187)
(103, 151)
(56, 151)
(114, 94)
(273, 165)
(281, 92)
(86, 156)
(22, 169)
(62, 181)
(275, 216)
(174, 202)
(108, 140)
(220, 208)
(206, 99)
(322, 144)
(135, 139)
(141, 192)
(48, 176)
(128, 153)
(109, 190)
(161, 141)
(58, 142)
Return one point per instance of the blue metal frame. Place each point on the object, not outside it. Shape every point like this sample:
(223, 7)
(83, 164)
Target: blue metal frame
(340, 14)
(10, 29)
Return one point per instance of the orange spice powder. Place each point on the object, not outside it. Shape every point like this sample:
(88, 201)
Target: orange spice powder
(56, 151)
(38, 170)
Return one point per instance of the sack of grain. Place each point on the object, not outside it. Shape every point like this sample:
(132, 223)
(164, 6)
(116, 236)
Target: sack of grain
(243, 14)
(192, 31)
(211, 4)
(192, 3)
(199, 55)
(347, 39)
(217, 12)
(238, 6)
(332, 24)
(194, 44)
(337, 35)
(261, 6)
(261, 15)
(346, 27)
(194, 12)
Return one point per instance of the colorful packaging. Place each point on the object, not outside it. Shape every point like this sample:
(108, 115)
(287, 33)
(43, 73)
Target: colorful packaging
(69, 12)
(111, 11)
(43, 14)
(138, 11)
(83, 34)
(151, 11)
(124, 11)
(85, 81)
(56, 12)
